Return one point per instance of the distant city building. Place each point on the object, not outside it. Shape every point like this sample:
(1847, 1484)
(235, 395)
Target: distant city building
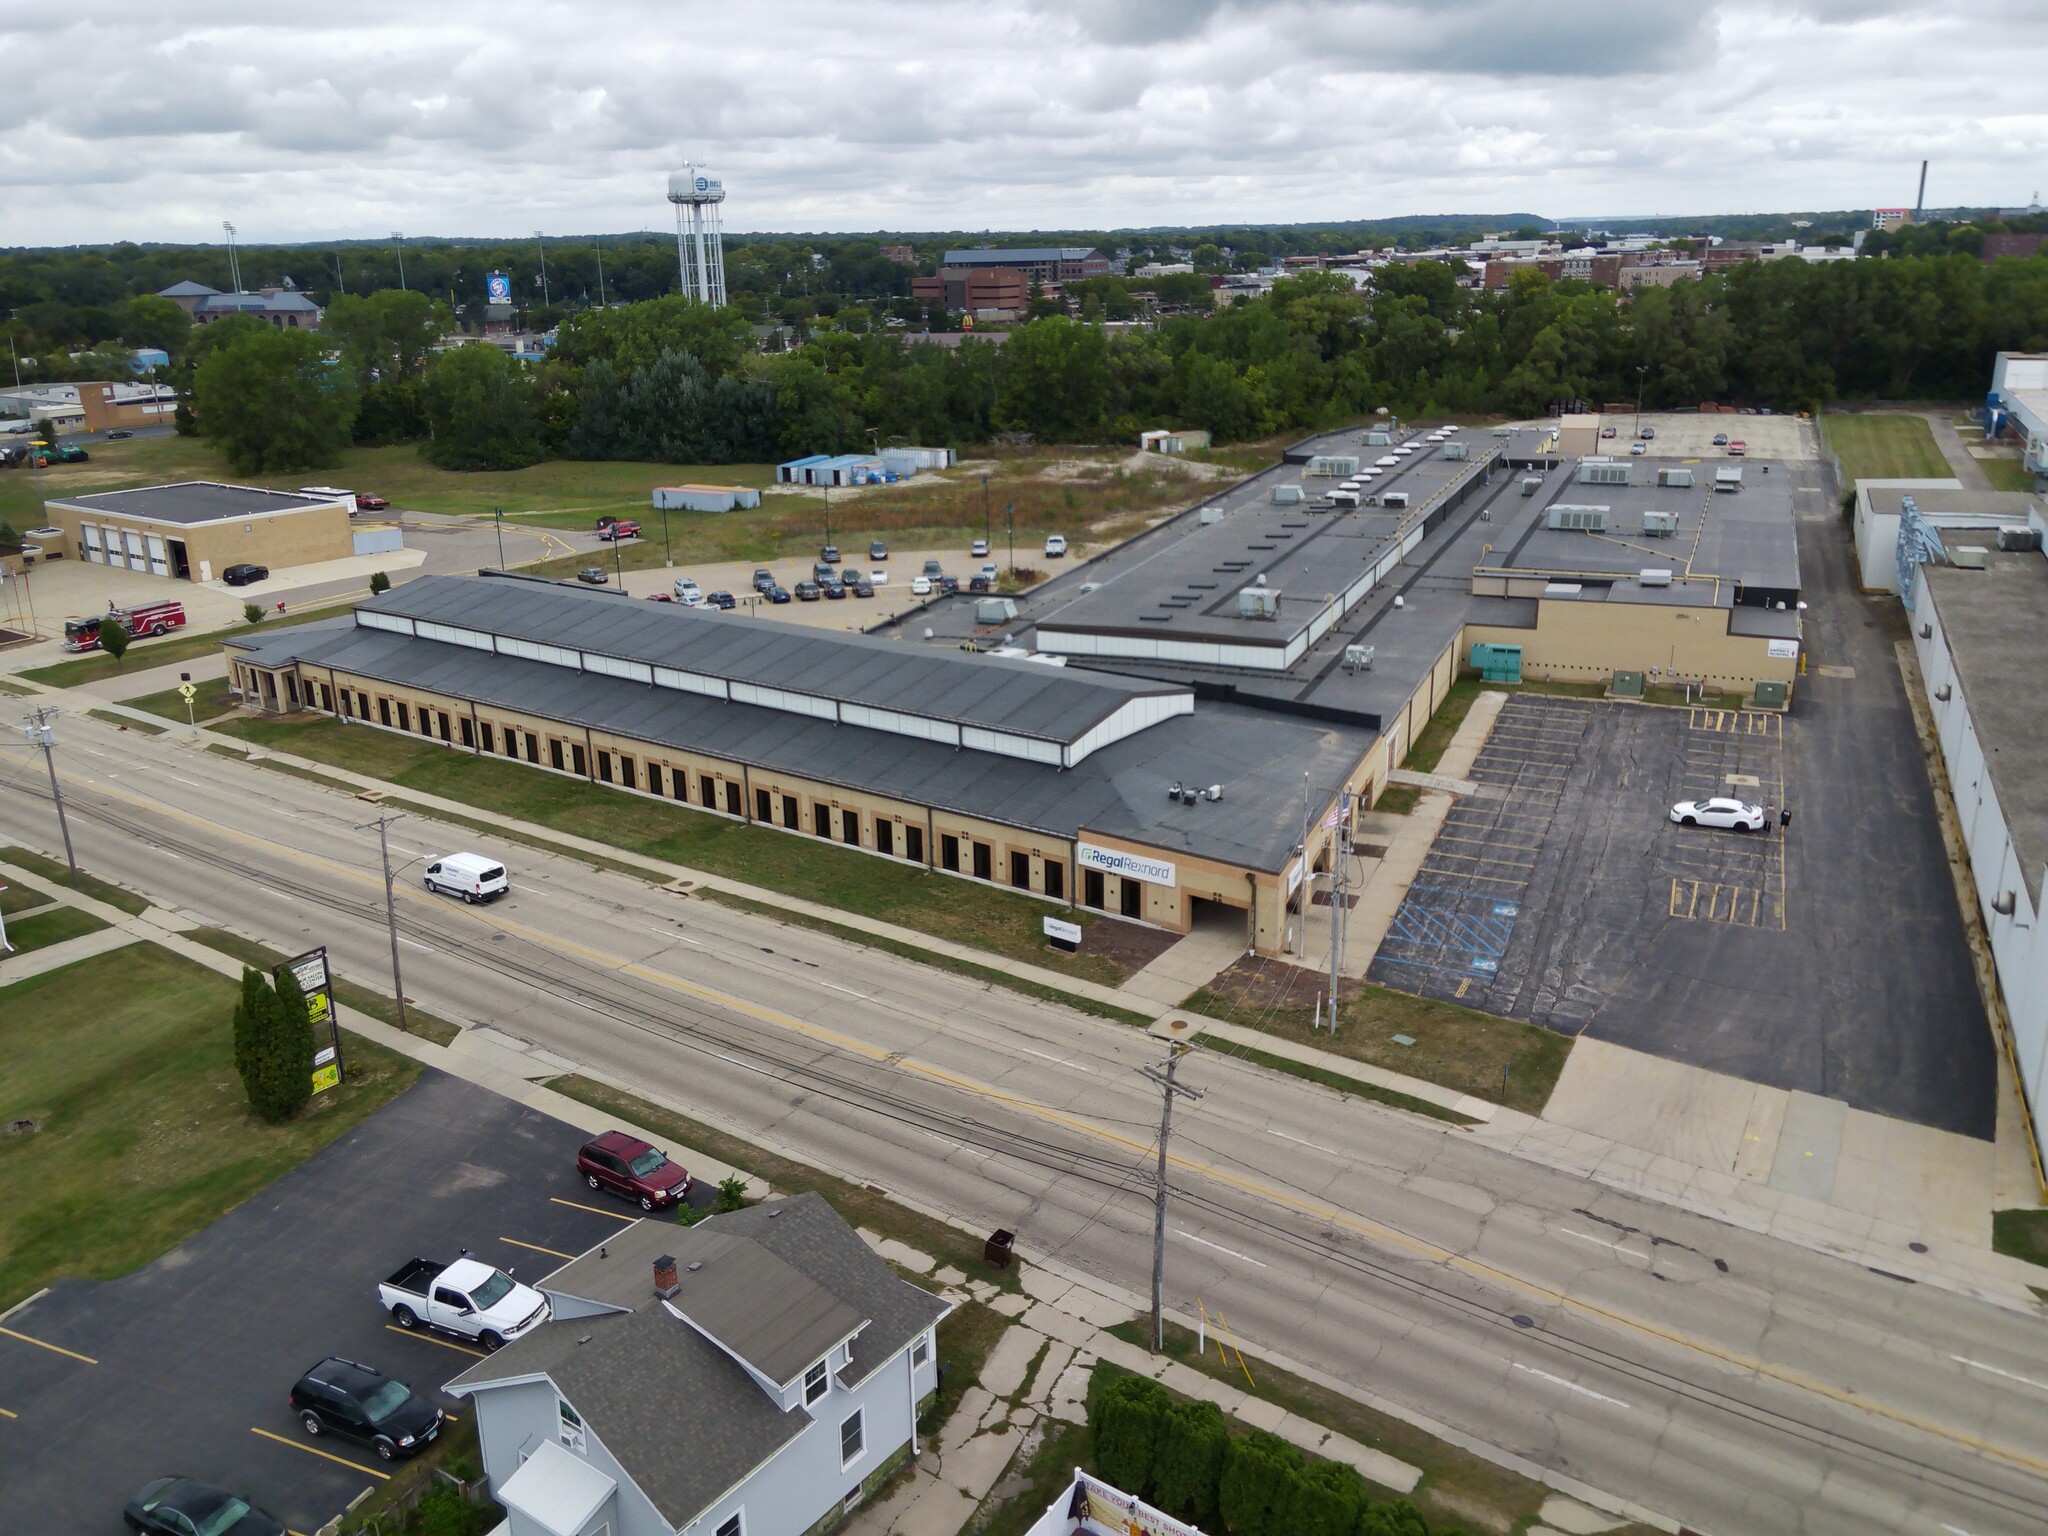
(91, 407)
(1996, 246)
(1041, 264)
(285, 308)
(1890, 218)
(903, 255)
(986, 292)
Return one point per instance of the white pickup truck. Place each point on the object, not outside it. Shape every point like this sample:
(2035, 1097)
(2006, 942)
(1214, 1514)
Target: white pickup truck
(467, 1298)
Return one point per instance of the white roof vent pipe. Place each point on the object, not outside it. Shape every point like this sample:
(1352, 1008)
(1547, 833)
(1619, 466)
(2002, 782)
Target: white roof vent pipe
(1399, 601)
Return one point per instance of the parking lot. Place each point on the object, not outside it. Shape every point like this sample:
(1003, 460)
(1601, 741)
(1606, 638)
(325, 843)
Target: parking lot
(184, 1366)
(1827, 957)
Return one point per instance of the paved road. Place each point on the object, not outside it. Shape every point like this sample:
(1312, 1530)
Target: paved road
(1722, 1378)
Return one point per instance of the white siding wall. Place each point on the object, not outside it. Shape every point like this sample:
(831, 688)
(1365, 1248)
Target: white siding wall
(2019, 948)
(513, 1421)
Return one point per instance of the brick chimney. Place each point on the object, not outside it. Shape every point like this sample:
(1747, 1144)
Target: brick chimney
(665, 1282)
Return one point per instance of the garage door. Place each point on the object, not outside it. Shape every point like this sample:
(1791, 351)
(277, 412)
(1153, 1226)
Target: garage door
(90, 535)
(159, 558)
(138, 555)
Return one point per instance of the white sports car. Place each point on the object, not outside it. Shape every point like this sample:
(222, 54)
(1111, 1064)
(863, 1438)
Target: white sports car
(1732, 814)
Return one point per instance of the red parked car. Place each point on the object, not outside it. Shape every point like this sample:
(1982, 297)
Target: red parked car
(367, 502)
(627, 1166)
(621, 528)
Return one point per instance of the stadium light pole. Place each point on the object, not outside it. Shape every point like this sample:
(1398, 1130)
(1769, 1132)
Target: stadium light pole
(398, 236)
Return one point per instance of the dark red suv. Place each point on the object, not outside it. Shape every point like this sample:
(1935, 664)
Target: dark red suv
(628, 1166)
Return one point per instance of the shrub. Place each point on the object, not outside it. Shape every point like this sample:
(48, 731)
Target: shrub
(732, 1192)
(253, 612)
(1396, 1517)
(114, 639)
(1129, 1419)
(1189, 1461)
(274, 1046)
(1326, 1499)
(1256, 1477)
(379, 582)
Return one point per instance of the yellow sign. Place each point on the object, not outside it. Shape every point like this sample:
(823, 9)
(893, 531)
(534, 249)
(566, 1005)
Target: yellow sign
(326, 1077)
(317, 1009)
(186, 692)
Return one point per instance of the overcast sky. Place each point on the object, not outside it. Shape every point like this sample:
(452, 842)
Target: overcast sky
(156, 120)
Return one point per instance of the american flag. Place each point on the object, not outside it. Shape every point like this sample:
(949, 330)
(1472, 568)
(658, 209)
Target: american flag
(1339, 814)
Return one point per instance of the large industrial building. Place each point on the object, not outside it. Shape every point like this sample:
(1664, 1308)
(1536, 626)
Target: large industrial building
(1203, 700)
(284, 308)
(2018, 406)
(194, 531)
(1038, 264)
(1980, 630)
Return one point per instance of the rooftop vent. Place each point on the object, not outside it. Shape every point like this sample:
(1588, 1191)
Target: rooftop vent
(1260, 602)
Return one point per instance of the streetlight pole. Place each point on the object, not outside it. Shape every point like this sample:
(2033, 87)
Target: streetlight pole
(545, 303)
(668, 555)
(1169, 1091)
(382, 824)
(498, 517)
(399, 236)
(39, 734)
(234, 266)
(987, 529)
(1642, 369)
(1010, 529)
(599, 243)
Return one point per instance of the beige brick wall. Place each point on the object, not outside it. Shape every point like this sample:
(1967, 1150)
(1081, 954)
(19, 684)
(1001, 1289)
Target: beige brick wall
(278, 540)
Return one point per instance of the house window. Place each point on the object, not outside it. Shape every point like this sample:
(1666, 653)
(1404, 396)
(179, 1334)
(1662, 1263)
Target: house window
(852, 1439)
(732, 1525)
(570, 1425)
(920, 1352)
(815, 1382)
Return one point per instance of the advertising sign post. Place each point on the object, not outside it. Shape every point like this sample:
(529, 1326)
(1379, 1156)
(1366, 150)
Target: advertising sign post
(317, 983)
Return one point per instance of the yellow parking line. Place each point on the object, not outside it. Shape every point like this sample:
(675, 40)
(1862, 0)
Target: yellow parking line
(427, 1338)
(55, 1349)
(554, 1253)
(339, 1461)
(594, 1210)
(5, 1414)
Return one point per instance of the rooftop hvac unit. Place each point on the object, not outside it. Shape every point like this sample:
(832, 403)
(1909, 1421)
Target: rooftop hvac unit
(1653, 576)
(1258, 603)
(2019, 538)
(1377, 439)
(1969, 557)
(1334, 465)
(1674, 477)
(1211, 515)
(1287, 495)
(1357, 658)
(1728, 480)
(1394, 499)
(1531, 484)
(1457, 451)
(1660, 525)
(1603, 474)
(1579, 519)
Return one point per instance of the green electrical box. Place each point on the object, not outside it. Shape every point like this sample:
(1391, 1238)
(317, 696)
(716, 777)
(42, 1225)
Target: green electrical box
(1498, 663)
(1626, 685)
(1771, 695)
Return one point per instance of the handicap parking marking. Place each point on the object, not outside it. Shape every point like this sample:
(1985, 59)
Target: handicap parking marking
(57, 1349)
(339, 1461)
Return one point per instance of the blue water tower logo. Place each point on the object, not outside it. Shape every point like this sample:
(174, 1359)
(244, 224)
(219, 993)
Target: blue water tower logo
(703, 183)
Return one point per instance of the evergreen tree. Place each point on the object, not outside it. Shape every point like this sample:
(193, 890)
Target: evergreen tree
(1256, 1478)
(114, 638)
(274, 1046)
(1396, 1517)
(249, 1016)
(1326, 1499)
(1129, 1420)
(1188, 1465)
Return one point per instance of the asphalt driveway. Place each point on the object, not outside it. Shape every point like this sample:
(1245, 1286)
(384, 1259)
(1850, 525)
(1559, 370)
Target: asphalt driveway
(185, 1365)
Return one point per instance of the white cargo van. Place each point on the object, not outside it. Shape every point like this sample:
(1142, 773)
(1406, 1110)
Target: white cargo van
(469, 875)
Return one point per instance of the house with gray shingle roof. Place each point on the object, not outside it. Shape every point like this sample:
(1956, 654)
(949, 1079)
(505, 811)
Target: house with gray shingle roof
(753, 1375)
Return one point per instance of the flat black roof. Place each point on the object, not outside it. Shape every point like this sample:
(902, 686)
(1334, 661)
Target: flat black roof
(192, 501)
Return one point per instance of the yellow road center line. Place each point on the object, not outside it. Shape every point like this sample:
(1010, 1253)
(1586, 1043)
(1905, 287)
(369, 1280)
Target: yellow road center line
(339, 1461)
(55, 1349)
(1268, 1194)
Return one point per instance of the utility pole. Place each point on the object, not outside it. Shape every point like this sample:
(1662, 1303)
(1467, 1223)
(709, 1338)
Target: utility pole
(39, 734)
(545, 303)
(1162, 1073)
(498, 516)
(1340, 882)
(1641, 370)
(382, 823)
(987, 526)
(1010, 528)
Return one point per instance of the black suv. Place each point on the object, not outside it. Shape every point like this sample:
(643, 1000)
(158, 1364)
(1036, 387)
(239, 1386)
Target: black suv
(361, 1403)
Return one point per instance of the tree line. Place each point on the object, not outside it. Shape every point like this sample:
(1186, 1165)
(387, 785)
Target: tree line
(670, 380)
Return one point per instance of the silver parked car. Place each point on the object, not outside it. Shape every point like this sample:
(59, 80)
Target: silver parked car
(1732, 814)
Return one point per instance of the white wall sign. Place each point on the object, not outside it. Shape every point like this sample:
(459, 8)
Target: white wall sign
(1114, 861)
(1294, 875)
(1782, 650)
(1061, 931)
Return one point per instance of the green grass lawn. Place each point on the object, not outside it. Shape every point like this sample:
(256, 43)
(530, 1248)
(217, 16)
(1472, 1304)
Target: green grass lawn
(2007, 474)
(1880, 445)
(51, 927)
(2021, 1235)
(124, 723)
(182, 646)
(819, 871)
(18, 897)
(125, 1063)
(1455, 1047)
(209, 703)
(83, 883)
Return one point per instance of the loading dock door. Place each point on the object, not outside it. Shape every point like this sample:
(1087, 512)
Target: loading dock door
(138, 552)
(89, 537)
(159, 559)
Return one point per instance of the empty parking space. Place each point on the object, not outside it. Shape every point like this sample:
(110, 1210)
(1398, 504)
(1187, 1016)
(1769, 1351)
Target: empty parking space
(185, 1365)
(1821, 956)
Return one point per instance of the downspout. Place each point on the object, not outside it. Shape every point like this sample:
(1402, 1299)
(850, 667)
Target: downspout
(1074, 886)
(1251, 914)
(335, 683)
(589, 756)
(931, 843)
(910, 1376)
(746, 795)
(476, 732)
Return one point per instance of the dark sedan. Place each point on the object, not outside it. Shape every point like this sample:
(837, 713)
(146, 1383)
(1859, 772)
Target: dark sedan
(721, 600)
(178, 1506)
(245, 575)
(593, 575)
(778, 594)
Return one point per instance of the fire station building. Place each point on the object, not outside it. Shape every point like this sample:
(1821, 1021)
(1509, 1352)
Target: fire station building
(196, 530)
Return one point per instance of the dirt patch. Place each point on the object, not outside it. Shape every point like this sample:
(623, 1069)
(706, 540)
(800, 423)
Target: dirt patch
(1141, 461)
(1257, 984)
(1131, 945)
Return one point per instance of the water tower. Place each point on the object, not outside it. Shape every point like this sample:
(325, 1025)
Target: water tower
(700, 241)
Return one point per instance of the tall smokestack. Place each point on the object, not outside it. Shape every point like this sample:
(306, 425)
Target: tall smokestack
(1920, 202)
